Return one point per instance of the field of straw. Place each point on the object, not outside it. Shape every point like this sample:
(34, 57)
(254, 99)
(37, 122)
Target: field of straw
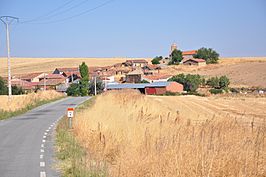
(128, 134)
(19, 102)
(31, 65)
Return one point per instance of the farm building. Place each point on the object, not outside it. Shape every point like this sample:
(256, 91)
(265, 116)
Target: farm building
(71, 73)
(194, 61)
(134, 76)
(156, 88)
(31, 77)
(136, 63)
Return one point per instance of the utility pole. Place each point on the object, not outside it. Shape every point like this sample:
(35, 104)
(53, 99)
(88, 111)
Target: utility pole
(7, 20)
(95, 87)
(44, 82)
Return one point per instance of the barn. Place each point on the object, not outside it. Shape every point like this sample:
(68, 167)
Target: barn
(195, 62)
(156, 88)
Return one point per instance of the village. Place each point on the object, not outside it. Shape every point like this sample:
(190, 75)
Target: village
(130, 74)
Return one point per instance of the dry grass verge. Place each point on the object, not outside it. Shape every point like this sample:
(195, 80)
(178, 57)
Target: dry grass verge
(128, 134)
(22, 103)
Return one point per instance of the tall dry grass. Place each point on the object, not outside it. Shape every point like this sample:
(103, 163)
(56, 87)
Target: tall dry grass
(128, 134)
(22, 101)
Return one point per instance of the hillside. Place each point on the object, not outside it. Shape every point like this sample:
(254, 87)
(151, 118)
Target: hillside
(26, 65)
(243, 72)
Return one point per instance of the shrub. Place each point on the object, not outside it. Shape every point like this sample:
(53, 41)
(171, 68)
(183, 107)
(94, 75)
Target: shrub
(213, 82)
(176, 57)
(216, 91)
(73, 90)
(156, 60)
(224, 82)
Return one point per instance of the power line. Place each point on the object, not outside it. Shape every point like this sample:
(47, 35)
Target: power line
(50, 12)
(77, 15)
(65, 11)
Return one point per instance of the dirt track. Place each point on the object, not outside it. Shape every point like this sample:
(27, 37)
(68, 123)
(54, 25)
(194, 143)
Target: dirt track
(202, 108)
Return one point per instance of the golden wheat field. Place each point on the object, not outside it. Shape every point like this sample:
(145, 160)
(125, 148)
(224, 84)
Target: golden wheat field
(29, 65)
(129, 134)
(21, 101)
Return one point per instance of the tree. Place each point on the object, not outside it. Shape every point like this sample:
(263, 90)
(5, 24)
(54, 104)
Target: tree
(84, 82)
(99, 87)
(17, 90)
(176, 57)
(224, 82)
(208, 54)
(190, 82)
(3, 87)
(73, 90)
(156, 60)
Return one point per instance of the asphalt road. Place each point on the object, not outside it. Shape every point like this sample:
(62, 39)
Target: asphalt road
(26, 141)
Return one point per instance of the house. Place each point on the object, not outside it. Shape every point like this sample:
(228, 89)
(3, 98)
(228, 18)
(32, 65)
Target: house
(157, 78)
(31, 77)
(70, 73)
(151, 69)
(156, 88)
(136, 63)
(134, 76)
(25, 85)
(50, 84)
(194, 61)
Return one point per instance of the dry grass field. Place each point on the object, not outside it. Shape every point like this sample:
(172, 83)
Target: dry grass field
(19, 102)
(129, 134)
(27, 65)
(243, 72)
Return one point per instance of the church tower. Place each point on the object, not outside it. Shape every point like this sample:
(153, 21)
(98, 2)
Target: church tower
(173, 47)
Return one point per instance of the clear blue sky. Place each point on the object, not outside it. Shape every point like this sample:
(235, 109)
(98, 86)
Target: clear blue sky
(137, 28)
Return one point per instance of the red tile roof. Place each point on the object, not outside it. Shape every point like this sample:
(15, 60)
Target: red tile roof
(23, 84)
(29, 76)
(51, 82)
(53, 76)
(190, 52)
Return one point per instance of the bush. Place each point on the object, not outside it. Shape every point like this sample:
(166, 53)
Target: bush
(73, 90)
(218, 83)
(99, 87)
(213, 82)
(156, 60)
(216, 91)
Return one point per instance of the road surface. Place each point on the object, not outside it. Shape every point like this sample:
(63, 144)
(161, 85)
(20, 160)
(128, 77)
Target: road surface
(26, 141)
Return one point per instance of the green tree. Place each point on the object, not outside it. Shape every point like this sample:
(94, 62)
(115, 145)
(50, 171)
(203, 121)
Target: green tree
(73, 90)
(190, 82)
(208, 54)
(84, 81)
(213, 82)
(99, 87)
(176, 57)
(156, 60)
(3, 87)
(17, 90)
(224, 82)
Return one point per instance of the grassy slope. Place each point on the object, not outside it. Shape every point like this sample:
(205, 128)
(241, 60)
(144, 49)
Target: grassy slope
(70, 153)
(8, 114)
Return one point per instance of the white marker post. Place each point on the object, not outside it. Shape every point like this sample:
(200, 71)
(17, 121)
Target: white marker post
(70, 115)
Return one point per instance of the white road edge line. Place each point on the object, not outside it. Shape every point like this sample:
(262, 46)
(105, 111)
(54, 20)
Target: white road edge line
(42, 164)
(42, 145)
(44, 136)
(42, 150)
(41, 156)
(42, 174)
(43, 141)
